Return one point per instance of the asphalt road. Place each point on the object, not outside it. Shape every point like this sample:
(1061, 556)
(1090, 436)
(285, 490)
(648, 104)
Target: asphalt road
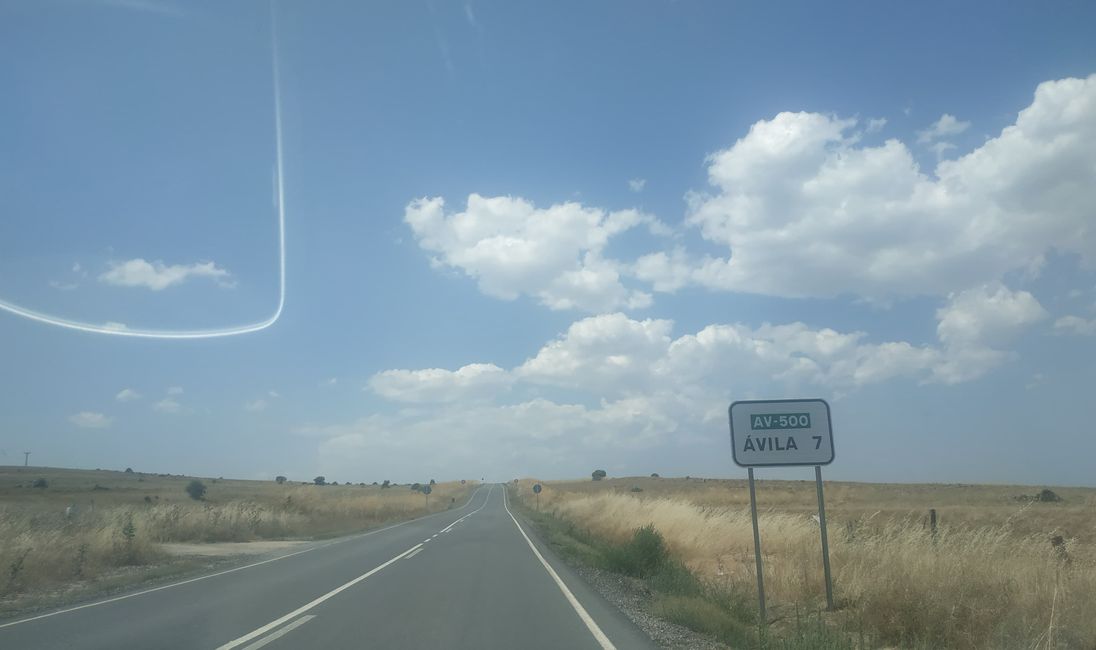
(471, 577)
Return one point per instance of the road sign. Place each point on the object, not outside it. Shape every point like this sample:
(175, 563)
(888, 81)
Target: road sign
(778, 432)
(536, 488)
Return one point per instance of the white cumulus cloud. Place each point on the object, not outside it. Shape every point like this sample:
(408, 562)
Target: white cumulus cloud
(807, 211)
(91, 420)
(158, 276)
(987, 315)
(475, 380)
(944, 127)
(976, 324)
(1076, 325)
(635, 384)
(168, 405)
(513, 248)
(127, 395)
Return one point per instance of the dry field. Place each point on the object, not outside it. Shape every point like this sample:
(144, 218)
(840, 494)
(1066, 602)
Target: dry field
(989, 579)
(90, 527)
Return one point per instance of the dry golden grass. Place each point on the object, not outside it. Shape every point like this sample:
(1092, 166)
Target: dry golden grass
(117, 520)
(990, 578)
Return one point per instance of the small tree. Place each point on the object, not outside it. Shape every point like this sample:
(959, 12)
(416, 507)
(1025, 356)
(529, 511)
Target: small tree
(598, 474)
(196, 489)
(319, 480)
(129, 470)
(654, 475)
(386, 484)
(416, 486)
(280, 479)
(433, 482)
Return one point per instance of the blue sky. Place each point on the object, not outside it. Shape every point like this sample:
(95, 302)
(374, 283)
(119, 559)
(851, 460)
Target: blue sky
(539, 238)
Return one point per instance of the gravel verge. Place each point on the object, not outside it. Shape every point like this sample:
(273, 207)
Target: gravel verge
(633, 598)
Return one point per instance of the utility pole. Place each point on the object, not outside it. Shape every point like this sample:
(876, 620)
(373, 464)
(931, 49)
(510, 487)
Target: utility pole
(26, 458)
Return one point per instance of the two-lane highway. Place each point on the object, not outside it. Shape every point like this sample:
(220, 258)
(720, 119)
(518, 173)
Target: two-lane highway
(471, 577)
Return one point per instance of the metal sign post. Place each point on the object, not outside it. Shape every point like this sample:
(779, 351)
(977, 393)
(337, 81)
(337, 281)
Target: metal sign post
(757, 548)
(783, 433)
(825, 538)
(536, 491)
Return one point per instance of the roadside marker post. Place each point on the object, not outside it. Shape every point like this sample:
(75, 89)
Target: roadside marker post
(783, 433)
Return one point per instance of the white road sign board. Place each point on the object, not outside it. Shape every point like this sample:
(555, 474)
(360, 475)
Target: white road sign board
(773, 433)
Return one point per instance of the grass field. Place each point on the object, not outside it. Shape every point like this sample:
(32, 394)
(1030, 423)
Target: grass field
(989, 578)
(90, 528)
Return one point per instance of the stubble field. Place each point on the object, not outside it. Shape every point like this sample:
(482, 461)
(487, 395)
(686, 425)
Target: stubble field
(89, 530)
(1002, 571)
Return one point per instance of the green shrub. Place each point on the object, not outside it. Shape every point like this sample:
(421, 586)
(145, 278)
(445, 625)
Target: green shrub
(1046, 496)
(40, 483)
(196, 489)
(643, 556)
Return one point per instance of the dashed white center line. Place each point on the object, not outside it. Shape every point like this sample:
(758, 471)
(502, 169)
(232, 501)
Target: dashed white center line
(273, 625)
(304, 608)
(280, 633)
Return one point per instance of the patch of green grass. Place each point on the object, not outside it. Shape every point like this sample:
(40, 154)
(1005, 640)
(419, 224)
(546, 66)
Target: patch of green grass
(702, 614)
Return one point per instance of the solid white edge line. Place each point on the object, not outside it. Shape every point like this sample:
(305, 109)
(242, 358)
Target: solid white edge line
(280, 633)
(307, 606)
(248, 566)
(599, 636)
(408, 557)
(160, 588)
